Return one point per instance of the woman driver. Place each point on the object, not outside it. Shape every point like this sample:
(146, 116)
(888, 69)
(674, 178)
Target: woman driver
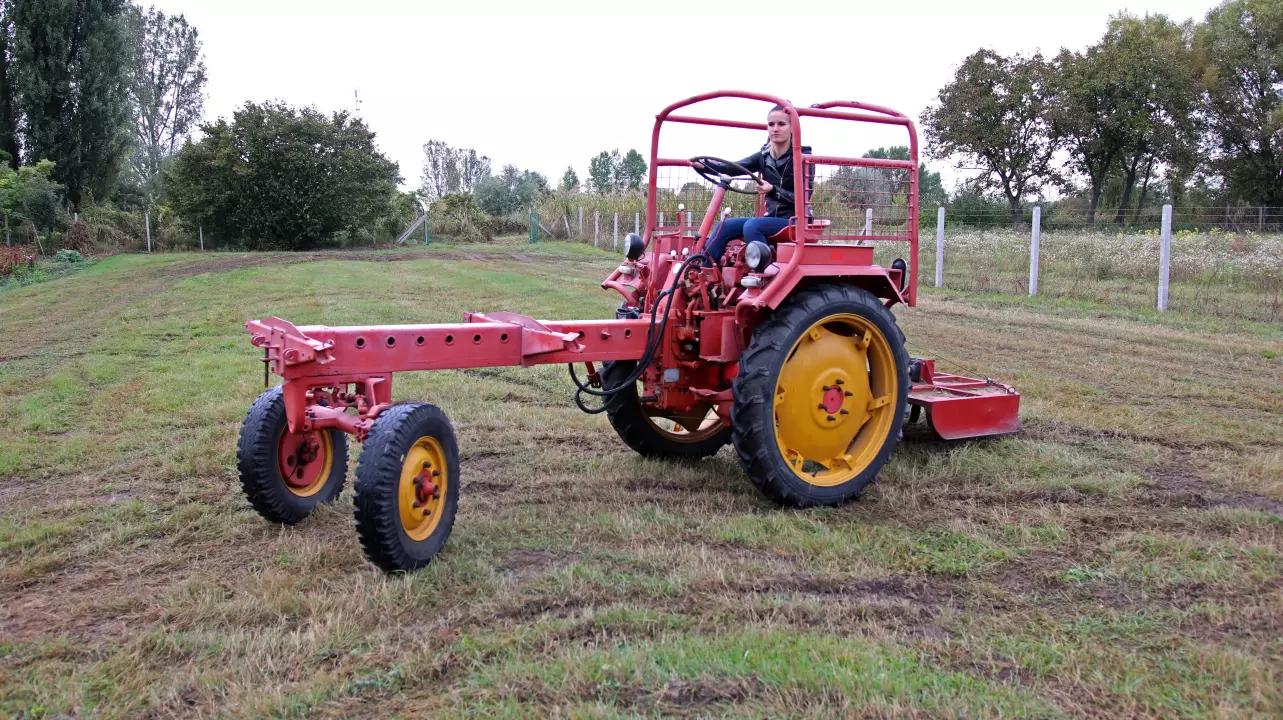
(774, 164)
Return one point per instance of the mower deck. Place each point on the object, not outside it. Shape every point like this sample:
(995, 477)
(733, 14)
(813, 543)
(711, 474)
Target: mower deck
(960, 407)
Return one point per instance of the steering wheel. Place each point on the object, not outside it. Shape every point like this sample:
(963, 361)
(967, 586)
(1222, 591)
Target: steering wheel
(720, 180)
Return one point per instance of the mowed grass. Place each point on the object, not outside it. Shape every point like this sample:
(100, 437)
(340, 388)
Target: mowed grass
(1121, 557)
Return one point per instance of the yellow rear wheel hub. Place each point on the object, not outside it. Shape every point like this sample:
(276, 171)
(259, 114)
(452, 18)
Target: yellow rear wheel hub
(835, 399)
(422, 491)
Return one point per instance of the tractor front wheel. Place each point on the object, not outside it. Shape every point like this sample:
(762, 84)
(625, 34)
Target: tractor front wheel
(820, 396)
(407, 487)
(661, 434)
(285, 475)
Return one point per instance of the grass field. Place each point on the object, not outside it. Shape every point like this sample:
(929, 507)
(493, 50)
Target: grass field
(1121, 557)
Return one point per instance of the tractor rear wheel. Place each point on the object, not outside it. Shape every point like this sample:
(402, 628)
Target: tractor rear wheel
(660, 434)
(285, 475)
(407, 487)
(820, 396)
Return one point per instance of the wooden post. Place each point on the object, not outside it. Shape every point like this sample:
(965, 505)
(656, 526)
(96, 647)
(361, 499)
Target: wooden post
(1260, 219)
(202, 237)
(581, 222)
(868, 226)
(616, 231)
(637, 223)
(565, 220)
(1165, 257)
(661, 219)
(6, 229)
(596, 225)
(1033, 251)
(147, 226)
(940, 247)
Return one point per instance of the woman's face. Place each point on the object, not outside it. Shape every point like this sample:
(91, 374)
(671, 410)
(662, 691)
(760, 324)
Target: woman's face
(778, 128)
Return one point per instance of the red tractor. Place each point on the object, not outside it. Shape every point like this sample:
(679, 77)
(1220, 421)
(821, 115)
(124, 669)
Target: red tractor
(786, 349)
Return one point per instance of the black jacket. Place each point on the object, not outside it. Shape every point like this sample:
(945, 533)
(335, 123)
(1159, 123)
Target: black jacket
(778, 172)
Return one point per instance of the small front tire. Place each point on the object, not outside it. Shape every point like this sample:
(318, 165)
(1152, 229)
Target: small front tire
(287, 476)
(656, 434)
(407, 487)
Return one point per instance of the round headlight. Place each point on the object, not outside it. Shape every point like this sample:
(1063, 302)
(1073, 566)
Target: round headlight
(757, 255)
(633, 246)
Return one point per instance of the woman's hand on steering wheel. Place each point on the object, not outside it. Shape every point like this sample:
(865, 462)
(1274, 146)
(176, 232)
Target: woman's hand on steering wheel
(700, 164)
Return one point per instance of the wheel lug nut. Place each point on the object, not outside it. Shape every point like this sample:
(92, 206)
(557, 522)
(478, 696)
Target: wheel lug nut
(427, 465)
(436, 473)
(848, 393)
(844, 412)
(820, 407)
(840, 381)
(826, 388)
(831, 418)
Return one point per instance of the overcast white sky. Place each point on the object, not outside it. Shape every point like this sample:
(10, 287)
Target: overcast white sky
(543, 85)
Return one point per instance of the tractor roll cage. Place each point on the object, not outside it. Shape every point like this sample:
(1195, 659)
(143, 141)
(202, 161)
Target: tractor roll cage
(802, 165)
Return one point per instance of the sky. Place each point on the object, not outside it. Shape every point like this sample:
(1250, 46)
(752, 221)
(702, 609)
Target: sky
(544, 85)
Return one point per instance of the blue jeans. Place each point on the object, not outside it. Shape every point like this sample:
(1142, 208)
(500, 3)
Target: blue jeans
(750, 229)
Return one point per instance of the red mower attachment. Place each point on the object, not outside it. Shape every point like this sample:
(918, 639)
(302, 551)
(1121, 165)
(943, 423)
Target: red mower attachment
(960, 407)
(787, 349)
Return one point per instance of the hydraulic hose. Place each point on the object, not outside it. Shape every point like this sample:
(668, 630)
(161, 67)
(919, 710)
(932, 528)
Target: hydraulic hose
(653, 341)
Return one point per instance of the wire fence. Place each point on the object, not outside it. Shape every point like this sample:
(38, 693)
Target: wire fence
(1210, 271)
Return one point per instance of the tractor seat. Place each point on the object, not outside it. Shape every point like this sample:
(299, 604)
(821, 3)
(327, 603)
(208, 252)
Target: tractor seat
(786, 235)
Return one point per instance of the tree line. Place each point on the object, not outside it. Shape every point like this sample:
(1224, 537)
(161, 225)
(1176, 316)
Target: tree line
(1188, 111)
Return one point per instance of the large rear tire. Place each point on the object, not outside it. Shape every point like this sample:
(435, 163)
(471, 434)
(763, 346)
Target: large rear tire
(286, 476)
(820, 396)
(656, 434)
(407, 487)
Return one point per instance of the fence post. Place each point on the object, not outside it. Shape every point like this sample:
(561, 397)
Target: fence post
(596, 225)
(1260, 219)
(202, 237)
(661, 220)
(940, 247)
(637, 223)
(1165, 257)
(565, 220)
(1034, 241)
(616, 231)
(6, 229)
(581, 222)
(147, 225)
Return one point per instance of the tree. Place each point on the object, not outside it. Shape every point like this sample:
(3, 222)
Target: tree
(630, 172)
(71, 63)
(1126, 98)
(9, 133)
(447, 170)
(1157, 54)
(601, 172)
(994, 115)
(1239, 57)
(510, 191)
(167, 89)
(569, 181)
(276, 177)
(931, 192)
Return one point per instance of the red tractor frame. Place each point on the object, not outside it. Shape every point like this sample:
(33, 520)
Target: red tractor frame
(788, 351)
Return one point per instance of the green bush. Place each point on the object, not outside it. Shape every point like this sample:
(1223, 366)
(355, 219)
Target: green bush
(456, 215)
(68, 257)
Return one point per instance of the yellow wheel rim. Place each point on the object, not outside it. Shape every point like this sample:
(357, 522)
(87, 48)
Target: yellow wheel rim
(422, 491)
(835, 400)
(304, 479)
